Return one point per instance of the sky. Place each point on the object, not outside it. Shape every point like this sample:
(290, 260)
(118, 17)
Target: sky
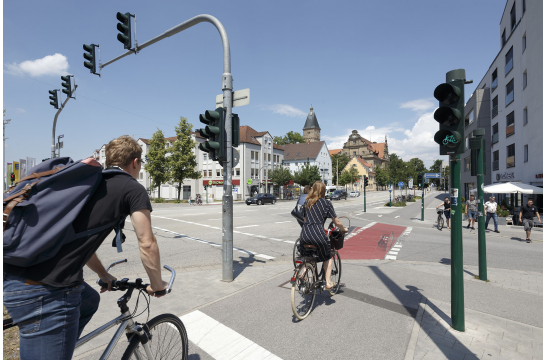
(370, 66)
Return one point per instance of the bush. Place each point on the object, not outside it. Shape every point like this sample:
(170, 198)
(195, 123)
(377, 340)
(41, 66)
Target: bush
(503, 213)
(177, 201)
(159, 200)
(396, 204)
(411, 200)
(463, 199)
(418, 197)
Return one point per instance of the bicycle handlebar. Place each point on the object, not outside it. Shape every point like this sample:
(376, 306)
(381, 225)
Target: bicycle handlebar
(124, 283)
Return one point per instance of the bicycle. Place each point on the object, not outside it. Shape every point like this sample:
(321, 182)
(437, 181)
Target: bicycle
(440, 220)
(306, 281)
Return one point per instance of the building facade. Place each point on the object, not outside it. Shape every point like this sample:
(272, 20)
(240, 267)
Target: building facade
(375, 154)
(363, 169)
(315, 153)
(311, 129)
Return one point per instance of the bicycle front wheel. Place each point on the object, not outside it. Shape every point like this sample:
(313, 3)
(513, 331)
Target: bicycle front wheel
(302, 294)
(335, 272)
(440, 223)
(169, 340)
(296, 253)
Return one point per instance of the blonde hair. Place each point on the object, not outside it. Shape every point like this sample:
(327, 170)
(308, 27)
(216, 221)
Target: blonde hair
(317, 192)
(121, 151)
(306, 190)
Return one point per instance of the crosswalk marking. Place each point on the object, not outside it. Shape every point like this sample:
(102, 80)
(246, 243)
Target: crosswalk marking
(220, 341)
(245, 226)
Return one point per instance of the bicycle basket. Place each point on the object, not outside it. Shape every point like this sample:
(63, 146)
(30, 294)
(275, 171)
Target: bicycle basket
(439, 211)
(337, 239)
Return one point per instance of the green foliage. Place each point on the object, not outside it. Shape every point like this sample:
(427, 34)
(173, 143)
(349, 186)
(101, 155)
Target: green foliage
(159, 200)
(308, 175)
(280, 176)
(413, 168)
(381, 176)
(157, 164)
(182, 162)
(177, 201)
(345, 178)
(503, 213)
(343, 160)
(396, 169)
(354, 176)
(445, 173)
(463, 199)
(396, 204)
(418, 197)
(436, 168)
(291, 137)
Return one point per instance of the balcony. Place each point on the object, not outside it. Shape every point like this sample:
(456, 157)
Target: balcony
(508, 66)
(494, 84)
(510, 161)
(510, 130)
(509, 98)
(495, 111)
(495, 138)
(496, 165)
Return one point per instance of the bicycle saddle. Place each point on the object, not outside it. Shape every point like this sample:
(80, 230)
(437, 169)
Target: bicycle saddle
(311, 246)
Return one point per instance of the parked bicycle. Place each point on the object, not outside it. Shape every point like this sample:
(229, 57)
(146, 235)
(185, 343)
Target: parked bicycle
(440, 220)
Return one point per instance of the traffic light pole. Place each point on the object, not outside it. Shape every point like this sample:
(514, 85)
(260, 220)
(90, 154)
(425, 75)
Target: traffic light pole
(480, 193)
(227, 88)
(456, 250)
(364, 197)
(422, 213)
(53, 155)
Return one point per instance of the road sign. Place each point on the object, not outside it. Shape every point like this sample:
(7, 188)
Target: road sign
(432, 175)
(400, 184)
(240, 98)
(411, 183)
(390, 190)
(249, 181)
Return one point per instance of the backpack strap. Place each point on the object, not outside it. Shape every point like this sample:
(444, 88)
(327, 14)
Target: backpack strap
(39, 175)
(13, 201)
(118, 232)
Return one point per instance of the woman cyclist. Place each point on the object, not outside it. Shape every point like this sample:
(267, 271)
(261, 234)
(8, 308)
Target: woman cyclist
(446, 204)
(317, 210)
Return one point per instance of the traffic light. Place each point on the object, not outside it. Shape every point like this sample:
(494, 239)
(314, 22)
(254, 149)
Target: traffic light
(365, 181)
(12, 177)
(419, 180)
(235, 139)
(214, 132)
(67, 85)
(54, 99)
(450, 114)
(124, 26)
(90, 56)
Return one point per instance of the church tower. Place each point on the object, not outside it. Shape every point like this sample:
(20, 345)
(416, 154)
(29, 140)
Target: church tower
(311, 130)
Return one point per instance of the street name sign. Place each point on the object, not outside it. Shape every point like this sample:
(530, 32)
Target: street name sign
(432, 175)
(240, 98)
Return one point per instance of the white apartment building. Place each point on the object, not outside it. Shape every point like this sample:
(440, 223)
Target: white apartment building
(315, 153)
(515, 85)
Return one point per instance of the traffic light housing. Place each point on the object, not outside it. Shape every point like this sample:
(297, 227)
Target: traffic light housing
(90, 56)
(54, 98)
(450, 114)
(12, 177)
(235, 139)
(365, 181)
(214, 132)
(420, 179)
(67, 85)
(124, 27)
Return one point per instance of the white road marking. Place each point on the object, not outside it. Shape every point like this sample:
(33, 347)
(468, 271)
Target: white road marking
(221, 342)
(234, 217)
(396, 217)
(290, 242)
(276, 239)
(245, 226)
(380, 216)
(390, 257)
(281, 222)
(261, 236)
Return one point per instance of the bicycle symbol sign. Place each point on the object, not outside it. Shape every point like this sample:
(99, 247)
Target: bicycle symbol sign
(449, 139)
(400, 184)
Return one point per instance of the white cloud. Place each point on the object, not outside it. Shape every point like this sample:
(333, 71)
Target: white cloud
(19, 110)
(56, 64)
(288, 110)
(418, 105)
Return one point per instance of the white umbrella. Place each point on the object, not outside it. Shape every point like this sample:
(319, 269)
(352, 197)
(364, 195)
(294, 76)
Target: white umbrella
(512, 188)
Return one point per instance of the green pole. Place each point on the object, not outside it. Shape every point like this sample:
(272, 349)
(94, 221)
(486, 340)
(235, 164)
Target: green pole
(480, 194)
(364, 197)
(456, 251)
(422, 214)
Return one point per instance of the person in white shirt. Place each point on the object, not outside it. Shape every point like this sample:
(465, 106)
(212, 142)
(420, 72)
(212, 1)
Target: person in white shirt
(490, 208)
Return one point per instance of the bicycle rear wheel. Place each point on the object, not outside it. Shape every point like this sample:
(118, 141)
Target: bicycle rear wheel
(296, 253)
(169, 340)
(335, 272)
(440, 223)
(302, 296)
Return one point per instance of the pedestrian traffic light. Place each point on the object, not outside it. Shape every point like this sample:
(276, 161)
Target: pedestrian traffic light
(12, 177)
(365, 181)
(449, 115)
(214, 132)
(419, 180)
(235, 140)
(124, 26)
(90, 56)
(54, 99)
(67, 85)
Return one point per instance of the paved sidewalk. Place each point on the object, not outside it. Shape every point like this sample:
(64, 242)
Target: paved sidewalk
(486, 336)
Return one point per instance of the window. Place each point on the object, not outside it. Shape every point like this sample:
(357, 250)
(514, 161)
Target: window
(496, 160)
(237, 170)
(264, 156)
(470, 118)
(510, 124)
(354, 153)
(495, 133)
(467, 163)
(524, 79)
(523, 42)
(525, 153)
(217, 173)
(467, 142)
(509, 61)
(210, 173)
(510, 156)
(510, 91)
(525, 116)
(503, 38)
(205, 157)
(204, 173)
(494, 79)
(252, 172)
(494, 107)
(513, 17)
(252, 155)
(269, 157)
(354, 142)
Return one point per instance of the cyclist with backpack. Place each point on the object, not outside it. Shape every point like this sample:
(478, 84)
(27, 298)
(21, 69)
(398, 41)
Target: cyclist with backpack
(49, 299)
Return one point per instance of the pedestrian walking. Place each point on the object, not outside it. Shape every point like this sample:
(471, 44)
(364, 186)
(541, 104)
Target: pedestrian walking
(490, 208)
(471, 211)
(526, 216)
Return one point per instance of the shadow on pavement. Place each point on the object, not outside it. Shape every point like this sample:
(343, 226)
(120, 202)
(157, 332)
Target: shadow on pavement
(445, 261)
(438, 328)
(238, 268)
(194, 357)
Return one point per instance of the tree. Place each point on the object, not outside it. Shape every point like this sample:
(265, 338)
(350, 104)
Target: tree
(414, 167)
(436, 168)
(280, 176)
(181, 162)
(445, 174)
(291, 137)
(308, 175)
(354, 176)
(157, 164)
(381, 176)
(343, 160)
(396, 170)
(345, 178)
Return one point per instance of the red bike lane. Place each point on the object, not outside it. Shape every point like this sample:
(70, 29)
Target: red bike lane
(370, 243)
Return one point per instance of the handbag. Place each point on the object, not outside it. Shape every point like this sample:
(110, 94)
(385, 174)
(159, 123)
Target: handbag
(298, 212)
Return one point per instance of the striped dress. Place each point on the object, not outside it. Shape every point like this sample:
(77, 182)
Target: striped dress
(313, 229)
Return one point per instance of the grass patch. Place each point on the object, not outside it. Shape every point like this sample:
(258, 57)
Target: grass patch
(478, 278)
(11, 341)
(418, 197)
(396, 204)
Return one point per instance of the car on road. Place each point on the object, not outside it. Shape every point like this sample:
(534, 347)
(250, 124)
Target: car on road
(261, 199)
(339, 194)
(355, 193)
